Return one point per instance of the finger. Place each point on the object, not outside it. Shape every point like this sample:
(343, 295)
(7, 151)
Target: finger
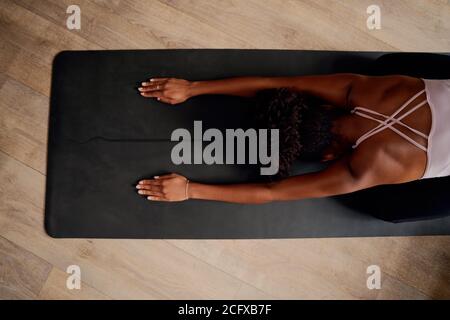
(152, 94)
(151, 88)
(165, 176)
(158, 79)
(151, 193)
(154, 81)
(156, 198)
(153, 187)
(150, 182)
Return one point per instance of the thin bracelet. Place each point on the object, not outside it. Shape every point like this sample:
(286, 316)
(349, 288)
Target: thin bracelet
(186, 190)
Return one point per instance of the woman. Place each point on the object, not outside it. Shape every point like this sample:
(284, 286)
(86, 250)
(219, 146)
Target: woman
(373, 130)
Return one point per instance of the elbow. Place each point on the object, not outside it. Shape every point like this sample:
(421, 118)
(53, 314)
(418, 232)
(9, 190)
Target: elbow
(271, 192)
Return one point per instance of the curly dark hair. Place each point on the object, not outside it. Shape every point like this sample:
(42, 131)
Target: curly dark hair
(304, 124)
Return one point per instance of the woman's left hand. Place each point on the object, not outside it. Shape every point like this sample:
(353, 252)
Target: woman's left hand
(167, 90)
(170, 187)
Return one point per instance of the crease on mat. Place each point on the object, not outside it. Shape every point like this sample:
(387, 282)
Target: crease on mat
(106, 139)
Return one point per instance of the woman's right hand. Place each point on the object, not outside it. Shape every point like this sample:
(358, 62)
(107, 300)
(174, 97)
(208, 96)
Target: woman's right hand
(168, 90)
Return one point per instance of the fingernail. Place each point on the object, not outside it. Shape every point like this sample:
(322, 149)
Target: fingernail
(138, 186)
(141, 191)
(140, 89)
(149, 198)
(156, 177)
(151, 80)
(141, 182)
(158, 99)
(144, 83)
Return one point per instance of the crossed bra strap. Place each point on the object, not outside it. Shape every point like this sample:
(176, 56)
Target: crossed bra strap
(389, 122)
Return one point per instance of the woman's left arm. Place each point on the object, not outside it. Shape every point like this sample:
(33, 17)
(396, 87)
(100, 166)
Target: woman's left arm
(339, 178)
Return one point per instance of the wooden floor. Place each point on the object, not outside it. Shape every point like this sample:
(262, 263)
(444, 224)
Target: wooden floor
(33, 265)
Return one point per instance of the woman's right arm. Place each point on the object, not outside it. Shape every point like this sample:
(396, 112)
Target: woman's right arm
(332, 88)
(338, 178)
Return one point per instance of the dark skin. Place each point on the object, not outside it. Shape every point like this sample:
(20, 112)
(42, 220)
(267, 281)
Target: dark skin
(385, 158)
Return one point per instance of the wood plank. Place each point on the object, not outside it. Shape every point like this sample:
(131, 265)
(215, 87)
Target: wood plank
(2, 79)
(405, 25)
(36, 35)
(246, 292)
(391, 288)
(328, 268)
(29, 69)
(91, 30)
(134, 25)
(259, 24)
(7, 54)
(23, 133)
(33, 42)
(421, 25)
(22, 274)
(423, 263)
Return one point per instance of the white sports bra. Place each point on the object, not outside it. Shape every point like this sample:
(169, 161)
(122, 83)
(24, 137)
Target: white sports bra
(438, 140)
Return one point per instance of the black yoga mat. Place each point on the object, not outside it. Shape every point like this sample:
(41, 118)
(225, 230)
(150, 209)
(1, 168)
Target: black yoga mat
(104, 137)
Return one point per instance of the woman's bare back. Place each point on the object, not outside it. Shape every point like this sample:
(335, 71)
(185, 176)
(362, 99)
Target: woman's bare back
(387, 153)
